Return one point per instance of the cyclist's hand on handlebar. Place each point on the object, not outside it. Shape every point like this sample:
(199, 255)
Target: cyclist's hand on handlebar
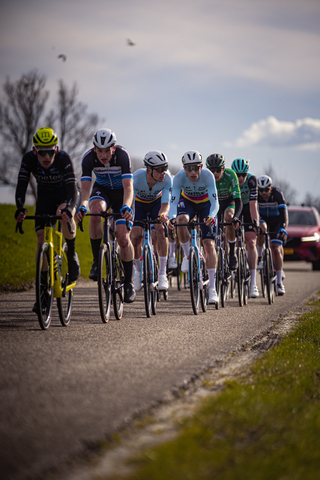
(236, 222)
(162, 218)
(126, 212)
(171, 223)
(66, 214)
(209, 221)
(81, 213)
(20, 214)
(282, 234)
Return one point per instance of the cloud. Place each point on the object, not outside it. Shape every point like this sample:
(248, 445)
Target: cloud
(303, 134)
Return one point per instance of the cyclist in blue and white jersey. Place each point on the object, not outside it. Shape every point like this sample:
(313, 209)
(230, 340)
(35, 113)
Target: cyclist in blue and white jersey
(273, 213)
(249, 196)
(113, 188)
(194, 190)
(152, 193)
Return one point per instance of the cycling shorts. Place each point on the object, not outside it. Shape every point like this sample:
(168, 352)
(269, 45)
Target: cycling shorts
(246, 217)
(113, 198)
(189, 208)
(141, 209)
(274, 225)
(48, 203)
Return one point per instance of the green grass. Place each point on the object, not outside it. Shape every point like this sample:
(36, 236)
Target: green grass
(265, 426)
(17, 262)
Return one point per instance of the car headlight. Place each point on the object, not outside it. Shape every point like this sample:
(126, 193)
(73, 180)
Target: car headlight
(313, 238)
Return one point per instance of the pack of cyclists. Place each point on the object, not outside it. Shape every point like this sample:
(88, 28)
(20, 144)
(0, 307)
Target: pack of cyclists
(217, 193)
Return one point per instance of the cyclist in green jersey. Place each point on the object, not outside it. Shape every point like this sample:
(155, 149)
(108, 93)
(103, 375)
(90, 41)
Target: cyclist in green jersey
(230, 202)
(249, 195)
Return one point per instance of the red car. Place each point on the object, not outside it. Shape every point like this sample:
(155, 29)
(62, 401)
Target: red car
(303, 241)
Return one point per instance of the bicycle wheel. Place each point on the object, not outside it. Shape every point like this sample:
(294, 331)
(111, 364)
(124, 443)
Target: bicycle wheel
(104, 283)
(204, 292)
(218, 274)
(225, 275)
(64, 304)
(44, 291)
(240, 277)
(118, 289)
(147, 280)
(154, 293)
(269, 275)
(246, 277)
(194, 280)
(263, 285)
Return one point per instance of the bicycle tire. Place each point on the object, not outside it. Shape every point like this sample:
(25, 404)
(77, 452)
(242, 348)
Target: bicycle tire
(204, 292)
(224, 281)
(104, 283)
(268, 275)
(218, 274)
(64, 304)
(118, 287)
(246, 277)
(44, 291)
(194, 280)
(240, 277)
(154, 293)
(147, 280)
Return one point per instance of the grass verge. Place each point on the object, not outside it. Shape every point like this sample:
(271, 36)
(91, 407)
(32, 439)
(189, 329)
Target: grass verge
(266, 425)
(17, 265)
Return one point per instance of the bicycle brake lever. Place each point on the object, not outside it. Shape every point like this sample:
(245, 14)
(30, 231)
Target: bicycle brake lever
(80, 225)
(70, 228)
(19, 227)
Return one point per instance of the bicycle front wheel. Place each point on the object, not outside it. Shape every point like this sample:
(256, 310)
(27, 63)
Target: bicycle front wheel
(269, 275)
(246, 277)
(147, 280)
(104, 282)
(64, 304)
(118, 290)
(44, 290)
(154, 293)
(240, 277)
(225, 278)
(194, 280)
(204, 292)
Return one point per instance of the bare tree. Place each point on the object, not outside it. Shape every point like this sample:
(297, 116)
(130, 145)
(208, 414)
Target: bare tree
(312, 201)
(290, 194)
(70, 118)
(20, 114)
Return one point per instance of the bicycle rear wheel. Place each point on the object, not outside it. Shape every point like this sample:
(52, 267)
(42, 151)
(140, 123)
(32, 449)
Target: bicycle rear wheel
(118, 290)
(44, 291)
(64, 304)
(194, 280)
(104, 283)
(240, 277)
(147, 280)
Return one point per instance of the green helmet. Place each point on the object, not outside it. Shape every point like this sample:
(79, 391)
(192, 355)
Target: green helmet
(240, 165)
(45, 137)
(215, 160)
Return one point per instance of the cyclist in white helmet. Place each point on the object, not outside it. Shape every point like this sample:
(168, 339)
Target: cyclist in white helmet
(273, 213)
(113, 188)
(152, 193)
(194, 190)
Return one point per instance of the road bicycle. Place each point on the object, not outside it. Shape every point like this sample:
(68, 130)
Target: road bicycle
(52, 277)
(198, 277)
(110, 270)
(224, 277)
(268, 275)
(149, 269)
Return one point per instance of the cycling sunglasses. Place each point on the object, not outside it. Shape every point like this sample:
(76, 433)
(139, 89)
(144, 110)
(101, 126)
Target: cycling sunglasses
(216, 169)
(162, 169)
(189, 168)
(43, 153)
(264, 189)
(242, 175)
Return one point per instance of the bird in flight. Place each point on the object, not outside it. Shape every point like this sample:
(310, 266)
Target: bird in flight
(63, 57)
(130, 42)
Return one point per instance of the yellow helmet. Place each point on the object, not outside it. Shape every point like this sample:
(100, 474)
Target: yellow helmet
(45, 137)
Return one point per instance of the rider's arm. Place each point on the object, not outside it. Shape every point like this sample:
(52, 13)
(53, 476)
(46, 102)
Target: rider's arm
(164, 209)
(85, 192)
(283, 217)
(127, 191)
(238, 207)
(176, 190)
(253, 208)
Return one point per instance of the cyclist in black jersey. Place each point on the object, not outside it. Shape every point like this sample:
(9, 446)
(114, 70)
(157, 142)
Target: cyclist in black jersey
(113, 188)
(57, 192)
(249, 195)
(273, 213)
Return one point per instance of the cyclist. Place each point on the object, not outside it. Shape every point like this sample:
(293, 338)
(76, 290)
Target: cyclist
(113, 188)
(152, 193)
(249, 196)
(229, 197)
(273, 213)
(57, 192)
(194, 190)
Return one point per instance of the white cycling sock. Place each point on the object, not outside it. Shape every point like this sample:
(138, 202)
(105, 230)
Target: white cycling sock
(253, 276)
(137, 264)
(212, 277)
(163, 265)
(185, 247)
(172, 249)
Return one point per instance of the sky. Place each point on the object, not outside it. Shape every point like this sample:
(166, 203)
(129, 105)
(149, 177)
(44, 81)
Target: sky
(240, 78)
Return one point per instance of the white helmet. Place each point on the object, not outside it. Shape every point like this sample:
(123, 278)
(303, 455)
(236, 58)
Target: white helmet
(104, 138)
(155, 159)
(191, 157)
(264, 181)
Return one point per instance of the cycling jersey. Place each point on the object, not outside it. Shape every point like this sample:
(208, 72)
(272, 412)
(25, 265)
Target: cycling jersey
(111, 174)
(144, 194)
(249, 189)
(58, 180)
(274, 206)
(204, 190)
(228, 187)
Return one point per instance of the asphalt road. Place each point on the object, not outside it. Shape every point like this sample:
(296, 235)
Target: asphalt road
(64, 388)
